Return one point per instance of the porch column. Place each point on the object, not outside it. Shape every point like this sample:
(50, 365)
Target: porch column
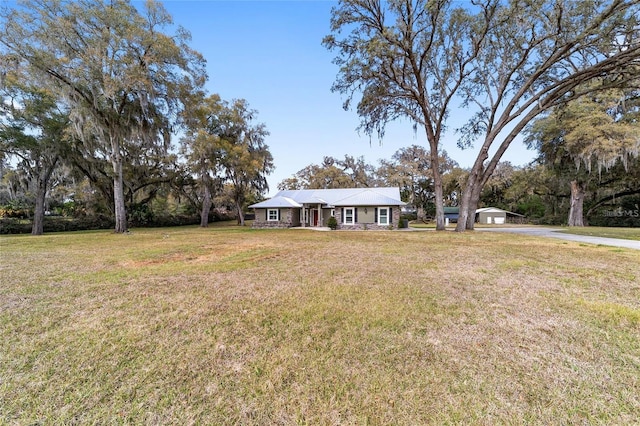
(319, 214)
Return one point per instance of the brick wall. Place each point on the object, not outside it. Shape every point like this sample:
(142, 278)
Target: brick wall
(261, 222)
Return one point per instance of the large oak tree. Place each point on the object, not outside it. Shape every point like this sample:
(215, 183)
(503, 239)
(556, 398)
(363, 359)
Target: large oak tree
(588, 139)
(406, 59)
(33, 133)
(225, 146)
(506, 61)
(540, 55)
(122, 78)
(201, 149)
(245, 158)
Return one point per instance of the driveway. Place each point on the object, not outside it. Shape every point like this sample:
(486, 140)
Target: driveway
(556, 233)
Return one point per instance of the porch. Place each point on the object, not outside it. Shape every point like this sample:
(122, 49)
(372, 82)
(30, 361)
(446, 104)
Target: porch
(315, 215)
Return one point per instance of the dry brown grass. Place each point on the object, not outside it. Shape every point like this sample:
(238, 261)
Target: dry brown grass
(234, 326)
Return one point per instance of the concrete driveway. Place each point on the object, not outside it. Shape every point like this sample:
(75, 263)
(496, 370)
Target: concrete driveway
(556, 233)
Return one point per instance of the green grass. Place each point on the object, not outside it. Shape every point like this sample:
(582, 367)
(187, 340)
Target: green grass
(593, 231)
(596, 231)
(237, 326)
(452, 225)
(430, 225)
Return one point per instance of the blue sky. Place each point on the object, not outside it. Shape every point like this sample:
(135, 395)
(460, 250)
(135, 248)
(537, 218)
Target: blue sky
(270, 53)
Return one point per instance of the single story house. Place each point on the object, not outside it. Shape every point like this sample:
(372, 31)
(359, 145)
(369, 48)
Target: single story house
(353, 208)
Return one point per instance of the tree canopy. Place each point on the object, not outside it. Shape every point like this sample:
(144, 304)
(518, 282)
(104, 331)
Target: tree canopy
(122, 78)
(585, 139)
(506, 62)
(405, 59)
(332, 173)
(33, 132)
(243, 157)
(126, 81)
(409, 168)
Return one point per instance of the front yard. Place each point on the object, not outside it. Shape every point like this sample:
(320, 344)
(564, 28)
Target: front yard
(240, 326)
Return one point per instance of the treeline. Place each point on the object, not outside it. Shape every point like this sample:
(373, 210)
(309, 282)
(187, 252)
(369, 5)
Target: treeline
(497, 66)
(541, 191)
(53, 184)
(92, 94)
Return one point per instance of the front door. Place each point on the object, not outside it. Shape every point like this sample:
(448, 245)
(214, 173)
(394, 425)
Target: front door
(314, 217)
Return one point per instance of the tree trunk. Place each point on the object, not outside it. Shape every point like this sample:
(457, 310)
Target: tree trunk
(466, 204)
(471, 214)
(434, 139)
(577, 202)
(463, 212)
(473, 189)
(437, 185)
(206, 205)
(42, 182)
(240, 214)
(469, 204)
(420, 214)
(118, 197)
(38, 214)
(118, 187)
(474, 199)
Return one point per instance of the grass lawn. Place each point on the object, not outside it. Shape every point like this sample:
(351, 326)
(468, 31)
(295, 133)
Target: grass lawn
(452, 225)
(592, 231)
(597, 231)
(237, 326)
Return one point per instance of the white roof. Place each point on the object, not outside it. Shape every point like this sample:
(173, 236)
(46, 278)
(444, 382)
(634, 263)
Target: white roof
(276, 202)
(490, 210)
(495, 210)
(368, 198)
(386, 196)
(333, 197)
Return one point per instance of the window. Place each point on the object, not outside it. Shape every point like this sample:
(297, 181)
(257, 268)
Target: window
(349, 216)
(383, 216)
(273, 215)
(333, 212)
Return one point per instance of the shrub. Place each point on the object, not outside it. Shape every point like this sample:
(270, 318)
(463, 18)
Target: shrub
(14, 226)
(99, 221)
(15, 212)
(409, 216)
(332, 223)
(140, 215)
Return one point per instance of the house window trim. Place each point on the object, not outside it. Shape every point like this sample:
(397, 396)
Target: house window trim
(277, 215)
(387, 209)
(353, 216)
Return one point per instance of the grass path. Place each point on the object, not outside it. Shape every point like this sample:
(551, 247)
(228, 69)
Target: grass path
(238, 326)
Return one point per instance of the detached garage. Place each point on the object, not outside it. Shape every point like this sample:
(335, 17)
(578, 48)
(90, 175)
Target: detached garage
(493, 215)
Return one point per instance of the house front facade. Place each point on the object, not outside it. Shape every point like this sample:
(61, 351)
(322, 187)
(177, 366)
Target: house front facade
(353, 208)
